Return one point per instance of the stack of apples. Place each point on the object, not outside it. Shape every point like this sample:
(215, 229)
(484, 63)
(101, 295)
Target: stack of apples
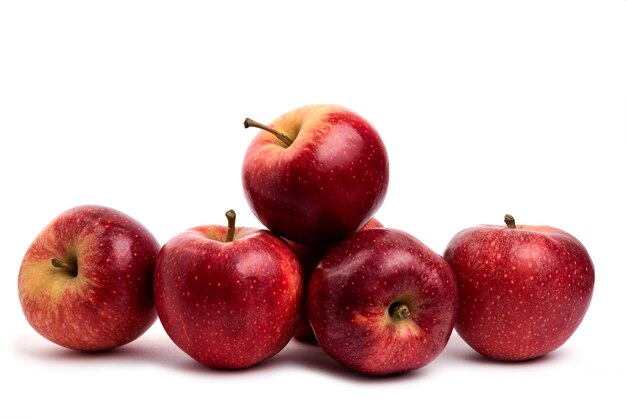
(375, 299)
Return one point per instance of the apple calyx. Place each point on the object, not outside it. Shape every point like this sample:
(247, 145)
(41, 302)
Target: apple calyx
(71, 268)
(231, 216)
(399, 311)
(509, 221)
(247, 123)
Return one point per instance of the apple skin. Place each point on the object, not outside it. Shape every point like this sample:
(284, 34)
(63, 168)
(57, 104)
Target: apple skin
(522, 291)
(354, 289)
(109, 302)
(228, 305)
(326, 184)
(309, 257)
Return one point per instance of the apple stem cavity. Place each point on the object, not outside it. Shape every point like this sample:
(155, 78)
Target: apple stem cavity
(509, 221)
(231, 216)
(281, 136)
(71, 268)
(399, 311)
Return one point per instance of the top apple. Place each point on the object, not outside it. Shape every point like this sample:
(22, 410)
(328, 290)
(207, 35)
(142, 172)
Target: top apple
(316, 174)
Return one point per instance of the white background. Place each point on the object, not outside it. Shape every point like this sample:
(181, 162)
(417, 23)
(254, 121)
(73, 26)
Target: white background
(486, 107)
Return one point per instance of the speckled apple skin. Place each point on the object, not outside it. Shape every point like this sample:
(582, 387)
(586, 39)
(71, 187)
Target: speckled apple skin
(110, 302)
(353, 287)
(309, 257)
(323, 187)
(523, 291)
(228, 305)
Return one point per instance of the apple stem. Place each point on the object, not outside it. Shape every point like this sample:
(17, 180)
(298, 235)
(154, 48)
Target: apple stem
(509, 221)
(70, 267)
(231, 216)
(283, 138)
(399, 311)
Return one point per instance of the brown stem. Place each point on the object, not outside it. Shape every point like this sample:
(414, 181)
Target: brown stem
(71, 268)
(509, 221)
(231, 216)
(283, 138)
(399, 311)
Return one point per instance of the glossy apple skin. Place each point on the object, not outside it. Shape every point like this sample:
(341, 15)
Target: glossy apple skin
(523, 291)
(110, 302)
(228, 305)
(353, 288)
(309, 257)
(323, 187)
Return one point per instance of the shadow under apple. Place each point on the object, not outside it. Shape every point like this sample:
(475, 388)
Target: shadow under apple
(458, 351)
(158, 349)
(147, 349)
(313, 358)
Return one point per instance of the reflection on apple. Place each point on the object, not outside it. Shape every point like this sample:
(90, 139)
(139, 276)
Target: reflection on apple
(523, 289)
(228, 297)
(85, 282)
(382, 302)
(316, 174)
(309, 257)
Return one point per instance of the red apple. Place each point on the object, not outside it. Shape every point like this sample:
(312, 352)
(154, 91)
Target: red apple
(309, 257)
(316, 174)
(523, 290)
(86, 281)
(228, 297)
(382, 302)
